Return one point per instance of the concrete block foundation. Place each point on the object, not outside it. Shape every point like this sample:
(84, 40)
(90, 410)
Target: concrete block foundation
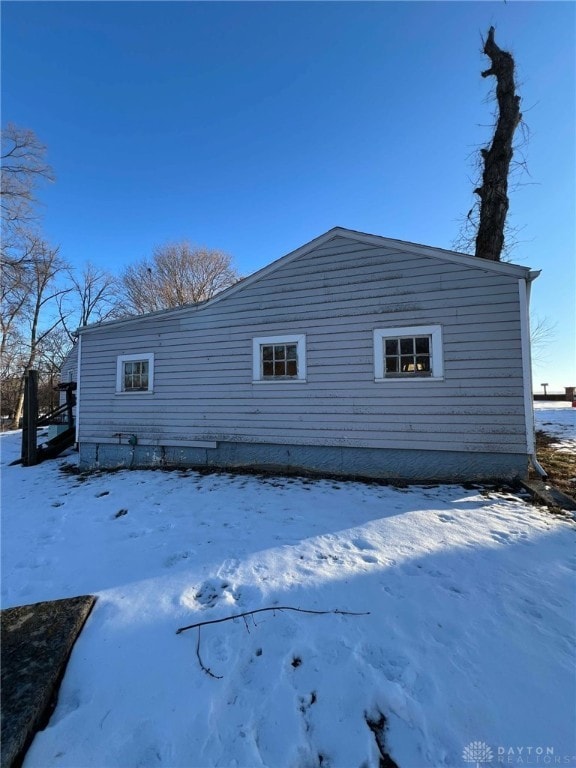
(384, 464)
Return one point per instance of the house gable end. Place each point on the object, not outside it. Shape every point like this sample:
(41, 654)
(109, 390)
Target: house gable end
(341, 239)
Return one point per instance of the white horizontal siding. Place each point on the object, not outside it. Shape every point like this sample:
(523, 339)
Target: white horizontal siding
(337, 295)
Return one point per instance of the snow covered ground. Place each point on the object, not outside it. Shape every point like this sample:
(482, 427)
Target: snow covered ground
(558, 420)
(469, 635)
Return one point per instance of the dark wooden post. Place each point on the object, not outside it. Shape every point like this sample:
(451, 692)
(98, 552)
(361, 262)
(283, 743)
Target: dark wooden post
(30, 422)
(23, 449)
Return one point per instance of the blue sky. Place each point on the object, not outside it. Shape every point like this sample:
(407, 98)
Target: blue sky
(255, 127)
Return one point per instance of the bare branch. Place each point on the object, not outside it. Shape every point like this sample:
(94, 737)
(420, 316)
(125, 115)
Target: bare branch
(201, 624)
(91, 298)
(272, 608)
(40, 287)
(202, 666)
(23, 160)
(542, 334)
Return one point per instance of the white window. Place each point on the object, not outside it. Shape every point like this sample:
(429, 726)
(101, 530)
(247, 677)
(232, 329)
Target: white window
(408, 353)
(135, 373)
(279, 358)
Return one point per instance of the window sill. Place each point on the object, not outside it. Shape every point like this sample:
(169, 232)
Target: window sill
(137, 392)
(404, 379)
(275, 382)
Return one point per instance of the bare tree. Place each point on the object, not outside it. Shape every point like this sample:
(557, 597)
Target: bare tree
(11, 371)
(486, 230)
(24, 166)
(542, 334)
(52, 353)
(92, 298)
(177, 274)
(38, 317)
(14, 294)
(31, 270)
(493, 192)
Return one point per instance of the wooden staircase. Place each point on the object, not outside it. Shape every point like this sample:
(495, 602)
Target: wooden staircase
(32, 453)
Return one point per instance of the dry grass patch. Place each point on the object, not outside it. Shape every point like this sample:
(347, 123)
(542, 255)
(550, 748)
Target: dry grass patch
(559, 464)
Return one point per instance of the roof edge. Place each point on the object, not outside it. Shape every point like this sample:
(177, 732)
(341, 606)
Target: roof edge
(505, 268)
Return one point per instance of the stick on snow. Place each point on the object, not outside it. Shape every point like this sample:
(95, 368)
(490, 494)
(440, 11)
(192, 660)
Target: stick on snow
(273, 608)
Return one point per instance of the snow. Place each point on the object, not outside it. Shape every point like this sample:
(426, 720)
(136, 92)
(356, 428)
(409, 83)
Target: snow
(468, 637)
(558, 419)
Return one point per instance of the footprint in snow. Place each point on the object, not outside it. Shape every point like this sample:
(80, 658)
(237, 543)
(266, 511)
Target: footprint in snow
(362, 544)
(213, 590)
(228, 567)
(329, 557)
(435, 574)
(500, 536)
(531, 611)
(177, 558)
(305, 702)
(453, 588)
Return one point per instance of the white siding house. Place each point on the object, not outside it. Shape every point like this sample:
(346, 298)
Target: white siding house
(69, 369)
(354, 354)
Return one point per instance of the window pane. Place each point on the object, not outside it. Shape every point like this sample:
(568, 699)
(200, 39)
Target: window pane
(391, 346)
(391, 365)
(407, 356)
(407, 346)
(135, 374)
(280, 360)
(422, 345)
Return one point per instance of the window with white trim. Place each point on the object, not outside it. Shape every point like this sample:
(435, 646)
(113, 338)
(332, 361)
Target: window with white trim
(135, 373)
(279, 358)
(413, 352)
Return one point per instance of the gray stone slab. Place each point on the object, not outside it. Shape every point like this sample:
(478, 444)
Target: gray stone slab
(36, 643)
(549, 495)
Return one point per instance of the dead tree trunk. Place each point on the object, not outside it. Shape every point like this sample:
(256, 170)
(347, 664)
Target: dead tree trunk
(494, 190)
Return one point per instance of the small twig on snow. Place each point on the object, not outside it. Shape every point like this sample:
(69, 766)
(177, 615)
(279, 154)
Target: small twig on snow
(200, 624)
(206, 669)
(273, 608)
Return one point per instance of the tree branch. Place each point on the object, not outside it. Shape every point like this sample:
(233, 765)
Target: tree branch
(204, 668)
(262, 610)
(201, 624)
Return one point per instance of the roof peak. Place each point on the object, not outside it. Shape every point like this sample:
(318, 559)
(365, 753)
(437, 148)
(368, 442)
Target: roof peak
(513, 270)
